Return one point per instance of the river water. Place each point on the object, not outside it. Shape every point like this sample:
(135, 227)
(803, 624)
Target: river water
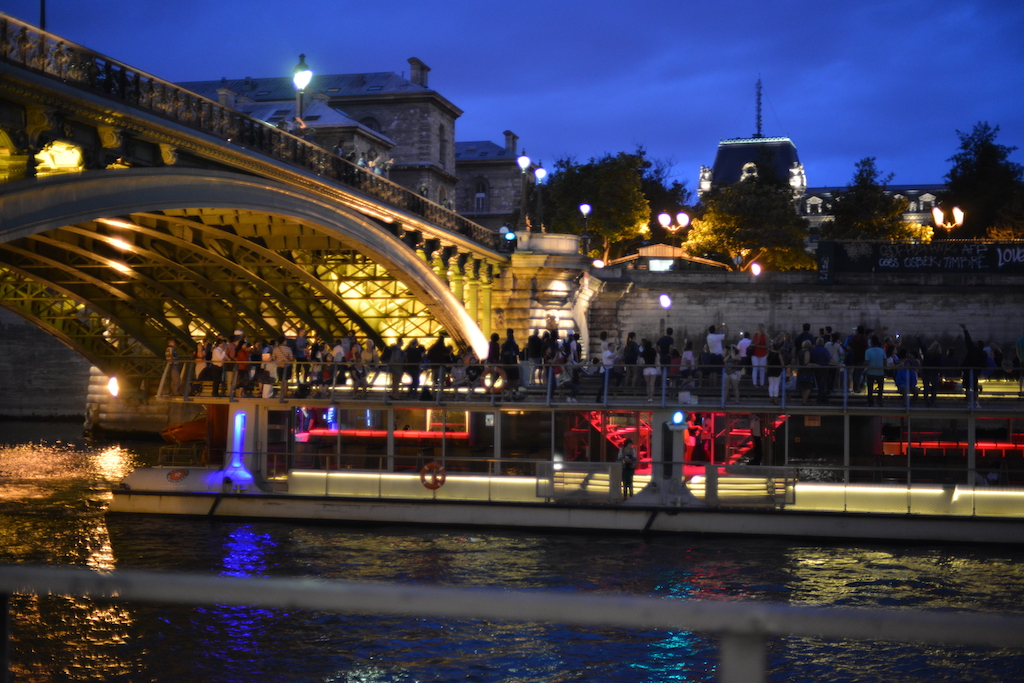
(54, 486)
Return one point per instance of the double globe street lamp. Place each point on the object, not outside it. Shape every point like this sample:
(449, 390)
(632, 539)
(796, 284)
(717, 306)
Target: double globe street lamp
(682, 220)
(940, 219)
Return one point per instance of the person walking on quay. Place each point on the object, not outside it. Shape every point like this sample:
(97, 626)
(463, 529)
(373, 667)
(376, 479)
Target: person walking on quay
(627, 456)
(630, 354)
(822, 374)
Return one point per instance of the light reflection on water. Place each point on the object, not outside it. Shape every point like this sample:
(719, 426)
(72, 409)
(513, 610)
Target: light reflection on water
(51, 511)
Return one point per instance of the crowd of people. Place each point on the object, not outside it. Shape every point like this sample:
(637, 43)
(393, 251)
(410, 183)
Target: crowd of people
(813, 364)
(805, 362)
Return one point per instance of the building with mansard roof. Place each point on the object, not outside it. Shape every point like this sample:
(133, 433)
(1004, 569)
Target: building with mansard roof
(737, 158)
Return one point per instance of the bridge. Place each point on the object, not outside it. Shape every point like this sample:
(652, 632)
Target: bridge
(133, 211)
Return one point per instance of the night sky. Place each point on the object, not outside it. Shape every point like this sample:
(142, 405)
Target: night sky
(892, 79)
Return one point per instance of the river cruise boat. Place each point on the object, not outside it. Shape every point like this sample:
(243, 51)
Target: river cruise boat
(951, 469)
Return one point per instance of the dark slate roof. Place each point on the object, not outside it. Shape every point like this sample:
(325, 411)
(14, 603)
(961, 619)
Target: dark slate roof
(315, 113)
(480, 151)
(734, 153)
(281, 88)
(911, 191)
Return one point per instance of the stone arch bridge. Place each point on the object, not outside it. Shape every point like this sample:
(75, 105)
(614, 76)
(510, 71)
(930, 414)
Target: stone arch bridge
(132, 211)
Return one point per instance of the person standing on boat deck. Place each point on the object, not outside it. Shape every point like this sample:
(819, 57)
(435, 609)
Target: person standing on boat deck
(804, 336)
(394, 356)
(438, 358)
(535, 356)
(217, 373)
(300, 351)
(758, 353)
(822, 375)
(173, 366)
(874, 359)
(715, 350)
(1019, 346)
(627, 456)
(756, 437)
(413, 362)
(975, 361)
(775, 367)
(733, 372)
(649, 355)
(665, 345)
(510, 356)
(283, 359)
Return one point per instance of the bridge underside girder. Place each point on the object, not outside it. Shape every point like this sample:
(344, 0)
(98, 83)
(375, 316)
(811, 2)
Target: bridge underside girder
(117, 286)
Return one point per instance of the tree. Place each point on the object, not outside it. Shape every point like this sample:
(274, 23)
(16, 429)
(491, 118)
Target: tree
(866, 211)
(983, 181)
(755, 221)
(612, 186)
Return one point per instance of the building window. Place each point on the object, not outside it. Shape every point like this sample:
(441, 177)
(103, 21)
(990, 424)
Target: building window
(371, 123)
(480, 198)
(927, 202)
(814, 205)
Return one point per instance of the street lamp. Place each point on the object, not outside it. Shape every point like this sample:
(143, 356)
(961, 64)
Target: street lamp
(524, 164)
(301, 78)
(682, 220)
(540, 174)
(939, 218)
(585, 237)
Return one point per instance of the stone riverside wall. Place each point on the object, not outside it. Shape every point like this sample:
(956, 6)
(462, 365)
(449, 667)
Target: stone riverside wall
(39, 376)
(934, 305)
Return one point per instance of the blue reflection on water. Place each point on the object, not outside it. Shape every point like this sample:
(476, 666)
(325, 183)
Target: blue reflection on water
(246, 552)
(234, 634)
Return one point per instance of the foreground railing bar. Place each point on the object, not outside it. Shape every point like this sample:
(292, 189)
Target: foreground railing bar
(742, 618)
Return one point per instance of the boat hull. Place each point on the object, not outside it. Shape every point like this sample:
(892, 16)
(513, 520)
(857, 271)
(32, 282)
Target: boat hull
(571, 517)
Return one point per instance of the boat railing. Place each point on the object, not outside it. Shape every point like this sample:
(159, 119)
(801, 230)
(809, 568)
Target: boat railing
(888, 489)
(908, 389)
(194, 454)
(742, 627)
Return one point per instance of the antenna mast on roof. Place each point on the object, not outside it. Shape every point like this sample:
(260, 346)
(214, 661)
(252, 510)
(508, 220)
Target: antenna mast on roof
(758, 133)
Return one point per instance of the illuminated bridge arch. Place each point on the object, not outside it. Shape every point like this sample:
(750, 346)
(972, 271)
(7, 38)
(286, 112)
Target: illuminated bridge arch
(115, 262)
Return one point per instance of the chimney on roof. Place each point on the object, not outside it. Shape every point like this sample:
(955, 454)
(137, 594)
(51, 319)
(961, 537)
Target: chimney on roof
(225, 95)
(510, 142)
(418, 72)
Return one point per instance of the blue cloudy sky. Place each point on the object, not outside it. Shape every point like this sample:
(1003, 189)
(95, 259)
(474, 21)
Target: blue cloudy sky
(893, 79)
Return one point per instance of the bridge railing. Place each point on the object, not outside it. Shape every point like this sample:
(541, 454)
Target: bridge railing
(44, 53)
(742, 627)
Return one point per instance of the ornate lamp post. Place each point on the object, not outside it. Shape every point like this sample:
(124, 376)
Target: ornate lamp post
(939, 218)
(585, 237)
(301, 78)
(524, 165)
(682, 220)
(539, 173)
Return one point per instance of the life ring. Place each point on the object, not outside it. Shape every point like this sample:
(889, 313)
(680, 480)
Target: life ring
(499, 380)
(433, 475)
